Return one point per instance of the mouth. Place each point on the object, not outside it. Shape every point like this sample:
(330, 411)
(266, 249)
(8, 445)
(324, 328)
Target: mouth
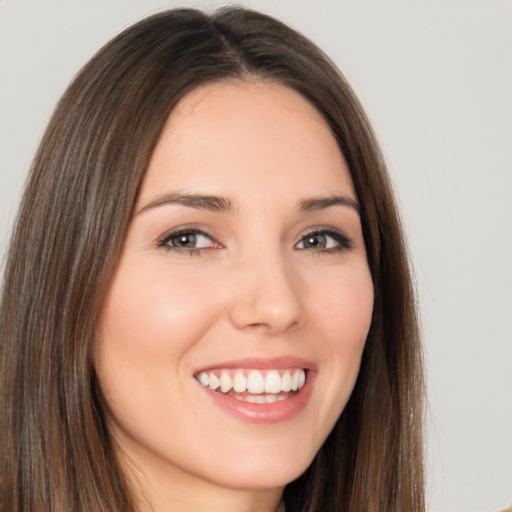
(254, 386)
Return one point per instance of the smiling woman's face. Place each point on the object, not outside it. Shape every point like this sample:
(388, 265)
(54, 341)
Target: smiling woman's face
(244, 267)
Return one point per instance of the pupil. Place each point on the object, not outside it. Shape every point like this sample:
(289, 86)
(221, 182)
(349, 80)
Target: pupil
(315, 241)
(186, 240)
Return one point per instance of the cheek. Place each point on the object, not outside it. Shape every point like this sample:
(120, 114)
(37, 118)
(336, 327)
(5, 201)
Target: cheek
(346, 316)
(152, 311)
(346, 311)
(151, 321)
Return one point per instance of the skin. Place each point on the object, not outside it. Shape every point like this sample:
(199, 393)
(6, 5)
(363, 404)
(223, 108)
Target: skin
(253, 290)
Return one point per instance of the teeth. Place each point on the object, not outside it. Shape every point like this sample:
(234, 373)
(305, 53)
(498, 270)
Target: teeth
(255, 383)
(239, 382)
(272, 382)
(287, 382)
(295, 380)
(262, 399)
(203, 379)
(225, 383)
(302, 379)
(214, 382)
(256, 399)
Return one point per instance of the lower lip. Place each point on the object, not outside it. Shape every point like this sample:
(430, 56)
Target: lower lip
(275, 412)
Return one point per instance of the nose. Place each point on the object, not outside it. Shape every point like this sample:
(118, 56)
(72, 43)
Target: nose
(265, 295)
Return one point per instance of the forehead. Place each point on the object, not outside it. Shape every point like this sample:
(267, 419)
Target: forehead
(224, 137)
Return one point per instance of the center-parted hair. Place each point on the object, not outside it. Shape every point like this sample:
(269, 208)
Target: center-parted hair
(56, 453)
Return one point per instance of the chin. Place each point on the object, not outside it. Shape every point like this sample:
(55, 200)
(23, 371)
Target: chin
(276, 474)
(264, 469)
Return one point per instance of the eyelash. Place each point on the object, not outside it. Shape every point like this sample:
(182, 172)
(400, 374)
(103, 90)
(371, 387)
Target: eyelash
(165, 240)
(343, 242)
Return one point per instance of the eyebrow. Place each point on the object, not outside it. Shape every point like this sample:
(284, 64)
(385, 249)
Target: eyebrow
(320, 203)
(198, 201)
(223, 205)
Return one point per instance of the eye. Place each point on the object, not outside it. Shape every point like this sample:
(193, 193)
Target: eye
(187, 240)
(330, 240)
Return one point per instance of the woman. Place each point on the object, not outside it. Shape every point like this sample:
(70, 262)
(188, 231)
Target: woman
(207, 302)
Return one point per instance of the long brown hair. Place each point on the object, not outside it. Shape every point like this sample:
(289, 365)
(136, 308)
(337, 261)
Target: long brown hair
(56, 453)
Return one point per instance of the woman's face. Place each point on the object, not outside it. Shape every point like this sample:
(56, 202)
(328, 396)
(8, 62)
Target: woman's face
(244, 267)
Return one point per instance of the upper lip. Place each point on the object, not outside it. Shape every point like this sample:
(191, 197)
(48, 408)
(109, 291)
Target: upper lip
(262, 363)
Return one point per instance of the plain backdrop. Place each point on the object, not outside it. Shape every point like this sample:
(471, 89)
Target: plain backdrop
(436, 80)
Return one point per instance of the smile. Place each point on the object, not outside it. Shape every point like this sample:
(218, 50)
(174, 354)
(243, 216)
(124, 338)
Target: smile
(255, 386)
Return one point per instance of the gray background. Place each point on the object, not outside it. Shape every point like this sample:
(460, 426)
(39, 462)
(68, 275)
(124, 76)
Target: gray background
(436, 80)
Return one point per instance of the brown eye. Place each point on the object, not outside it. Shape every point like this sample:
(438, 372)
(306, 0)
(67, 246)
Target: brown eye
(184, 241)
(187, 241)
